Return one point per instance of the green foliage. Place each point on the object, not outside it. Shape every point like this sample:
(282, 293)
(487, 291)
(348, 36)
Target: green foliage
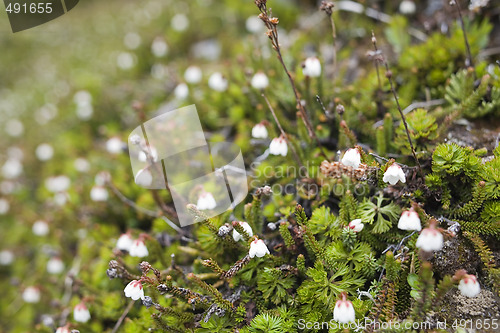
(274, 284)
(381, 216)
(469, 101)
(423, 131)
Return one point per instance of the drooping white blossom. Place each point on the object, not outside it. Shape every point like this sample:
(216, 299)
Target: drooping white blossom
(311, 67)
(181, 91)
(40, 228)
(55, 265)
(409, 220)
(469, 286)
(99, 193)
(258, 248)
(81, 313)
(278, 146)
(259, 131)
(344, 311)
(218, 82)
(138, 249)
(124, 243)
(407, 7)
(134, 290)
(393, 174)
(193, 74)
(430, 239)
(206, 201)
(248, 229)
(114, 145)
(352, 158)
(31, 295)
(356, 225)
(260, 81)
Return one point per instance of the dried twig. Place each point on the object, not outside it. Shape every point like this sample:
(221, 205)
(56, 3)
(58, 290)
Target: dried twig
(388, 74)
(272, 32)
(468, 59)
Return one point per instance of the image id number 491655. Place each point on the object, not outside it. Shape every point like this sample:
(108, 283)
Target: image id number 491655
(26, 8)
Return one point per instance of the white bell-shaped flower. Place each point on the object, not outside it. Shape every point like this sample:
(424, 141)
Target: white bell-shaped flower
(181, 91)
(260, 81)
(12, 168)
(344, 311)
(99, 193)
(40, 228)
(44, 152)
(55, 265)
(407, 7)
(6, 257)
(352, 158)
(258, 248)
(80, 313)
(469, 286)
(259, 131)
(206, 201)
(57, 184)
(218, 82)
(248, 229)
(278, 146)
(430, 239)
(134, 290)
(356, 225)
(393, 174)
(63, 329)
(31, 295)
(124, 243)
(311, 67)
(138, 249)
(409, 220)
(4, 206)
(193, 74)
(114, 145)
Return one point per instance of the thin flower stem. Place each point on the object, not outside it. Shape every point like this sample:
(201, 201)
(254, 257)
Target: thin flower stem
(131, 203)
(285, 136)
(272, 33)
(388, 74)
(123, 316)
(468, 60)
